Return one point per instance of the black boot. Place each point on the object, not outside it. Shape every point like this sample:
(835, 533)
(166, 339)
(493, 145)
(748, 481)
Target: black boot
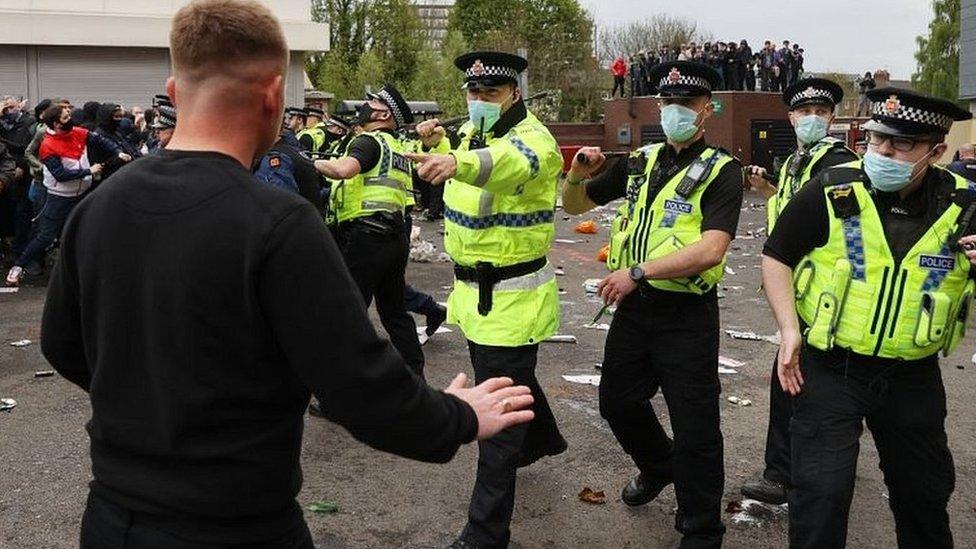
(642, 489)
(765, 490)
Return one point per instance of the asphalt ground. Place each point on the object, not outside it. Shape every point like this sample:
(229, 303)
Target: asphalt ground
(386, 501)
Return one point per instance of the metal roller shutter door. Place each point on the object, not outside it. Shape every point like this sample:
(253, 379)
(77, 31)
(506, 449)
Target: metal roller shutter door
(13, 70)
(128, 76)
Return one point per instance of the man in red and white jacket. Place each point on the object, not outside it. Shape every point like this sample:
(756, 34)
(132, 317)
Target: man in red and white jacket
(67, 177)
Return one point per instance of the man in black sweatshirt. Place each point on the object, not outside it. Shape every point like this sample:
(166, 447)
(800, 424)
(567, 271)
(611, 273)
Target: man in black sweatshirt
(191, 303)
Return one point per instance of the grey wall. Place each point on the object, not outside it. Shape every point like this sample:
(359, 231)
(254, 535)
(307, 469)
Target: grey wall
(967, 50)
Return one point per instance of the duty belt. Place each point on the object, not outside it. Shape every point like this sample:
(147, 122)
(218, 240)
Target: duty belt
(487, 275)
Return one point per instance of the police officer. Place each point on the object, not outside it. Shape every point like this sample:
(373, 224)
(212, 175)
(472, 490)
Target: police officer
(284, 166)
(338, 134)
(881, 287)
(499, 199)
(294, 124)
(811, 102)
(668, 249)
(369, 214)
(163, 126)
(312, 138)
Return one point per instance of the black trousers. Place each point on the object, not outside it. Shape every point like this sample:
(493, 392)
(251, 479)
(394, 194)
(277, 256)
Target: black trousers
(904, 406)
(377, 263)
(778, 432)
(493, 499)
(106, 525)
(671, 344)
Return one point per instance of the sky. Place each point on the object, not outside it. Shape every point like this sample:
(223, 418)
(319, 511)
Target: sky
(850, 36)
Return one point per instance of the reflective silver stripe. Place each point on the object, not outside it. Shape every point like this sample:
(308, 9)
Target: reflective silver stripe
(530, 281)
(484, 203)
(487, 165)
(383, 182)
(377, 205)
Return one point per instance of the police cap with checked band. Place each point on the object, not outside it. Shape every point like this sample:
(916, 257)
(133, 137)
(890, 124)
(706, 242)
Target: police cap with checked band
(685, 79)
(390, 96)
(813, 91)
(906, 113)
(490, 69)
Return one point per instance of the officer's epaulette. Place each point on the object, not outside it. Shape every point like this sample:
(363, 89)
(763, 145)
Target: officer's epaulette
(844, 201)
(841, 175)
(724, 151)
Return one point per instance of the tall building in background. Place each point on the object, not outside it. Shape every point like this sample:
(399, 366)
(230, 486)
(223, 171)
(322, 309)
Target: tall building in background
(433, 16)
(117, 50)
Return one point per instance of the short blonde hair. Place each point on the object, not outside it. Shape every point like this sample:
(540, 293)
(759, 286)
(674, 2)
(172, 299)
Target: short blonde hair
(216, 37)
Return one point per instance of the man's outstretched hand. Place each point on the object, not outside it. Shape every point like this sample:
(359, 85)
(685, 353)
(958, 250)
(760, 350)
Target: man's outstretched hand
(497, 403)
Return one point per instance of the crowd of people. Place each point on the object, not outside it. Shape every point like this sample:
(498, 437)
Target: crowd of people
(52, 155)
(770, 68)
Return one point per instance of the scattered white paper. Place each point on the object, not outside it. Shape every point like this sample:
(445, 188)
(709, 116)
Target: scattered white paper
(565, 241)
(559, 272)
(753, 336)
(9, 290)
(757, 513)
(584, 379)
(562, 339)
(21, 343)
(424, 338)
(739, 401)
(730, 362)
(590, 284)
(604, 327)
(724, 370)
(729, 271)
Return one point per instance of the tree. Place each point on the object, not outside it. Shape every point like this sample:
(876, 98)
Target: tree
(647, 34)
(937, 56)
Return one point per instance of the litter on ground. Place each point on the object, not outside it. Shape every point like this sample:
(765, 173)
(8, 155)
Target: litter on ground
(7, 404)
(565, 241)
(562, 339)
(9, 290)
(590, 284)
(324, 507)
(588, 495)
(584, 379)
(753, 336)
(560, 272)
(730, 362)
(44, 373)
(21, 343)
(739, 401)
(602, 326)
(729, 271)
(586, 227)
(755, 513)
(424, 338)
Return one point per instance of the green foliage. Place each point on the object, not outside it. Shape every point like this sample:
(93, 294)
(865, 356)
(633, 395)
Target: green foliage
(937, 56)
(378, 41)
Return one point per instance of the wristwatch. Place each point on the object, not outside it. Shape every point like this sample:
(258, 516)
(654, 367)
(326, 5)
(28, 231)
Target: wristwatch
(637, 274)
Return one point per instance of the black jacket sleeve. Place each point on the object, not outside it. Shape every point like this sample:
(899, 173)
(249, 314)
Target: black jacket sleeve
(360, 379)
(610, 184)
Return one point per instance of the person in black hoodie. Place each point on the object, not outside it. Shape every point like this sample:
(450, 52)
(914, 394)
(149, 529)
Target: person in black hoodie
(108, 120)
(89, 113)
(200, 310)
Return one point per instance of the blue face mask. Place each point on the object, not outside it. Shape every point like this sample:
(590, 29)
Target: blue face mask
(887, 174)
(810, 129)
(678, 123)
(484, 114)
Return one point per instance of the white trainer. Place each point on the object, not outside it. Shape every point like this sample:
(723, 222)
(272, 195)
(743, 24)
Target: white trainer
(13, 276)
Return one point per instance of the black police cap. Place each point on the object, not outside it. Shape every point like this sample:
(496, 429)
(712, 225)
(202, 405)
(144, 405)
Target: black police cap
(389, 95)
(312, 111)
(490, 68)
(813, 91)
(685, 79)
(907, 113)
